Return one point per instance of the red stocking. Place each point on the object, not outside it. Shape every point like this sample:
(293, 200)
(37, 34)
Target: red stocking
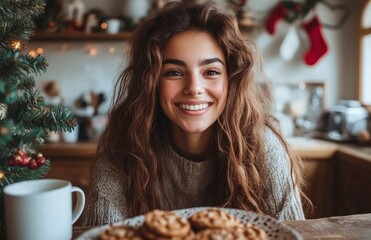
(277, 13)
(318, 46)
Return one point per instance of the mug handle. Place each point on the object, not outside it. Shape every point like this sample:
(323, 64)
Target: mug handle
(80, 203)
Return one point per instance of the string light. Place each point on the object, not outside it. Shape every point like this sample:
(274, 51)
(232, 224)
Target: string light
(92, 51)
(32, 53)
(301, 85)
(64, 48)
(4, 131)
(2, 174)
(40, 50)
(16, 45)
(103, 25)
(111, 50)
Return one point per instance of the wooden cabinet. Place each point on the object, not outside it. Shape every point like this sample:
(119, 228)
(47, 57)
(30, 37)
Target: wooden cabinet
(319, 175)
(318, 170)
(353, 184)
(71, 162)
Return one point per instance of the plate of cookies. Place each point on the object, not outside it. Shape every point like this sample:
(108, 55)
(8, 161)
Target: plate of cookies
(199, 223)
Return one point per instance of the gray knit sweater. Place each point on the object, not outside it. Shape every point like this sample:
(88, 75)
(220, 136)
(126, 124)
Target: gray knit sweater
(183, 184)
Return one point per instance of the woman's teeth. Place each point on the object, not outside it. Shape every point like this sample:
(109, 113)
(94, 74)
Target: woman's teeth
(194, 107)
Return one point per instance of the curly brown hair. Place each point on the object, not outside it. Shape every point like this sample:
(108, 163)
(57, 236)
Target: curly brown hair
(137, 123)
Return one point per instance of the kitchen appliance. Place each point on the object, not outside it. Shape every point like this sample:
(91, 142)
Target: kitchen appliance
(344, 121)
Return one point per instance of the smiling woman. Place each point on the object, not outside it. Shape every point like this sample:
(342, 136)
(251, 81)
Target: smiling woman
(191, 125)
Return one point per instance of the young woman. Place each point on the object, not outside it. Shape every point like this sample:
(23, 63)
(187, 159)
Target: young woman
(191, 125)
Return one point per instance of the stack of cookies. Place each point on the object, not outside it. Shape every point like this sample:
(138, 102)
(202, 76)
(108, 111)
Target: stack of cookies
(211, 223)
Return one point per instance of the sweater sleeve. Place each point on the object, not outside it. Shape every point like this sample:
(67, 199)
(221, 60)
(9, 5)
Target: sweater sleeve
(282, 198)
(105, 204)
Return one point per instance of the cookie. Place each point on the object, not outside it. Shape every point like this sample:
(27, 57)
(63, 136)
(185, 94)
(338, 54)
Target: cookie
(165, 224)
(148, 235)
(250, 232)
(213, 218)
(121, 232)
(216, 234)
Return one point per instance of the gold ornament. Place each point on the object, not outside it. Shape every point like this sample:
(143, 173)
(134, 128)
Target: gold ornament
(3, 110)
(2, 174)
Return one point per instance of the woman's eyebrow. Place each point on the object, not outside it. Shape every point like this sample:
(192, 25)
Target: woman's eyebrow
(181, 63)
(211, 60)
(174, 61)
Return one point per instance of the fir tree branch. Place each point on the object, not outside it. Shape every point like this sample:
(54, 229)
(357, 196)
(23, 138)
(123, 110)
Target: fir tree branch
(17, 19)
(12, 62)
(16, 82)
(36, 115)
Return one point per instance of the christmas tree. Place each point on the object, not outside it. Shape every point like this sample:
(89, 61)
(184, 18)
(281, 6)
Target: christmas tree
(25, 120)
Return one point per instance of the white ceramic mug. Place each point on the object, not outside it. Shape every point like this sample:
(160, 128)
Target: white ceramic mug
(41, 209)
(113, 26)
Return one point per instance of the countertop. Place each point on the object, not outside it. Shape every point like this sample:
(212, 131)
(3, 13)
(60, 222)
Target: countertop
(306, 148)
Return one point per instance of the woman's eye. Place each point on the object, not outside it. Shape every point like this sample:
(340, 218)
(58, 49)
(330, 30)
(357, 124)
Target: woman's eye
(173, 73)
(212, 72)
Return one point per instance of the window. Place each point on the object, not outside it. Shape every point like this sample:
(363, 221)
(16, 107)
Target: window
(364, 93)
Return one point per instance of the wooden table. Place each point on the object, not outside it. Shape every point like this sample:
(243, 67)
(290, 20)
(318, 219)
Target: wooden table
(334, 228)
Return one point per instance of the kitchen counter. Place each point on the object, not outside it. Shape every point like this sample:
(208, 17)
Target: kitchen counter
(333, 172)
(312, 148)
(80, 149)
(305, 147)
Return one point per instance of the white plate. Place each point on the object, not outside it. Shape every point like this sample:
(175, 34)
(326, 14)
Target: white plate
(273, 228)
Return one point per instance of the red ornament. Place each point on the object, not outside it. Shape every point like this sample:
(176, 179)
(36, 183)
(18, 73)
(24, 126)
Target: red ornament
(33, 164)
(13, 162)
(40, 159)
(21, 153)
(24, 162)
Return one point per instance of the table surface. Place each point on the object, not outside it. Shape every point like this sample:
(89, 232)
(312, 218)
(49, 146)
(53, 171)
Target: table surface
(334, 228)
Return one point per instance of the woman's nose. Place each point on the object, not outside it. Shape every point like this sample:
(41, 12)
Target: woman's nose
(193, 85)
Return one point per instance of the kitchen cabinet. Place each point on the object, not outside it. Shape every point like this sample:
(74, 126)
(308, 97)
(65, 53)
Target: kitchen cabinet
(353, 183)
(319, 176)
(71, 161)
(318, 169)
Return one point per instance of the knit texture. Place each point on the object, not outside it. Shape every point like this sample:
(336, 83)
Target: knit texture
(185, 184)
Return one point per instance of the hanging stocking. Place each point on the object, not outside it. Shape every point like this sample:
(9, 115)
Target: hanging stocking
(277, 13)
(318, 46)
(290, 44)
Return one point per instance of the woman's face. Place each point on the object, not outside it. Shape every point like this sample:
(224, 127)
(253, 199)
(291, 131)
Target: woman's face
(193, 86)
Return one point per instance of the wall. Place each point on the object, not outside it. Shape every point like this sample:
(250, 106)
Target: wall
(78, 72)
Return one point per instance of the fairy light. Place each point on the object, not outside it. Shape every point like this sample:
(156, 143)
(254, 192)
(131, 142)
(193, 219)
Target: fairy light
(92, 51)
(2, 174)
(32, 53)
(16, 45)
(4, 131)
(103, 25)
(40, 50)
(63, 48)
(301, 85)
(111, 50)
